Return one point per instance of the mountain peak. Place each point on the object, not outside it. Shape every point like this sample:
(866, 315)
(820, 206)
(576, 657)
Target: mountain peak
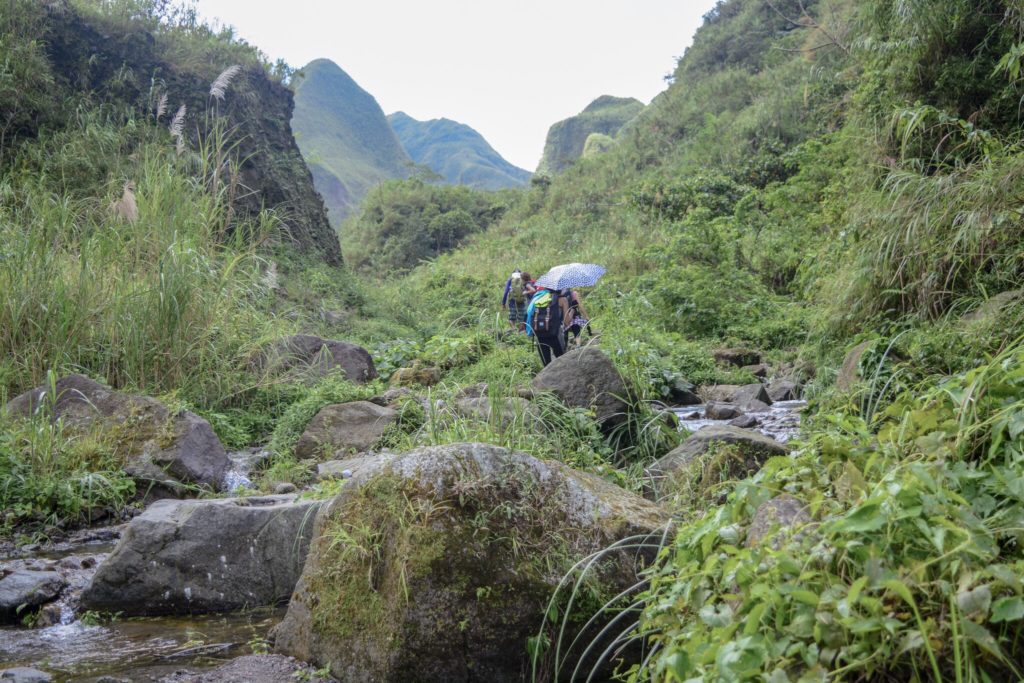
(457, 152)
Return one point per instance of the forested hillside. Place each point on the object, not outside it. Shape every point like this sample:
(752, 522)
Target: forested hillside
(344, 136)
(456, 152)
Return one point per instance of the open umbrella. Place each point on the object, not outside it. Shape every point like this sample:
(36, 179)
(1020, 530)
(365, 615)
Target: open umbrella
(569, 275)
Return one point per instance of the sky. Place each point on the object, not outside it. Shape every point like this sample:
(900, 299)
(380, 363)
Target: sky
(508, 69)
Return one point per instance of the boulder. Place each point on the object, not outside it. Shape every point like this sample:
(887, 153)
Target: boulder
(391, 397)
(439, 564)
(24, 674)
(349, 467)
(346, 427)
(753, 449)
(195, 556)
(407, 377)
(760, 370)
(721, 411)
(756, 406)
(683, 393)
(784, 390)
(744, 422)
(741, 395)
(478, 390)
(849, 374)
(737, 356)
(508, 410)
(24, 591)
(992, 308)
(587, 378)
(307, 358)
(158, 446)
(784, 513)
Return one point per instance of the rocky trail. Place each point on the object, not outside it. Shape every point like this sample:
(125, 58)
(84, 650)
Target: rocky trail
(433, 564)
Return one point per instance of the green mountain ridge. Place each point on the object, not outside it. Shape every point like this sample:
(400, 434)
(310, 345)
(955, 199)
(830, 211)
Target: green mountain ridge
(567, 139)
(344, 137)
(456, 152)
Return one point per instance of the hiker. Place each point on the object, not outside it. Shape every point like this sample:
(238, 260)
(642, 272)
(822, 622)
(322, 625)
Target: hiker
(515, 298)
(547, 318)
(580, 319)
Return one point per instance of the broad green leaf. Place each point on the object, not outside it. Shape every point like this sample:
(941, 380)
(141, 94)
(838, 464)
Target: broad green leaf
(1007, 609)
(855, 588)
(867, 517)
(806, 597)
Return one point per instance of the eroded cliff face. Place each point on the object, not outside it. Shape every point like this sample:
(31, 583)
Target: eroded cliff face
(566, 140)
(128, 65)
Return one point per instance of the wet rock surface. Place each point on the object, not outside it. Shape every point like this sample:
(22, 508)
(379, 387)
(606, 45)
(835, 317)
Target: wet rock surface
(251, 669)
(185, 557)
(23, 591)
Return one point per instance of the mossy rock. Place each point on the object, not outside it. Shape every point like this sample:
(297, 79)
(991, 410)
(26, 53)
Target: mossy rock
(439, 564)
(714, 453)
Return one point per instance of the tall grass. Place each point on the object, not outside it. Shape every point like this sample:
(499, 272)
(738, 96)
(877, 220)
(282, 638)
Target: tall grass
(165, 302)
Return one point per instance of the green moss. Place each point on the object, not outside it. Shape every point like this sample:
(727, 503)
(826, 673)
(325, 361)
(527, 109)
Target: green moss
(477, 556)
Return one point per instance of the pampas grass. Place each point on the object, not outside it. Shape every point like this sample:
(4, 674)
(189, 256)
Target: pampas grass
(221, 83)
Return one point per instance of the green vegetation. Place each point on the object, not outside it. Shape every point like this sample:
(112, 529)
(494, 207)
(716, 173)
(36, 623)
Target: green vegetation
(567, 140)
(344, 137)
(456, 152)
(817, 175)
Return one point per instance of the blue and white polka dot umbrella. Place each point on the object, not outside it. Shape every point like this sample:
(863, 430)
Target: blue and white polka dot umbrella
(571, 275)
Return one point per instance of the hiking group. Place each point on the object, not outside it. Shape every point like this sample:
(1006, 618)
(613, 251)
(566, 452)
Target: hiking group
(546, 314)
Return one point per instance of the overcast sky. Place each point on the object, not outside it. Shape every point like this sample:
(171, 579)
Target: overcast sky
(508, 69)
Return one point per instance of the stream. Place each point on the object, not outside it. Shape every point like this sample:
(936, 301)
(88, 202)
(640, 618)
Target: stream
(780, 422)
(90, 647)
(93, 648)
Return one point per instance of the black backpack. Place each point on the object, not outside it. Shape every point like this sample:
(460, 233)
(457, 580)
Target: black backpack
(547, 321)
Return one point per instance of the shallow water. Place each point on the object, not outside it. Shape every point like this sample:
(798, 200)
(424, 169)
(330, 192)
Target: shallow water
(138, 649)
(781, 422)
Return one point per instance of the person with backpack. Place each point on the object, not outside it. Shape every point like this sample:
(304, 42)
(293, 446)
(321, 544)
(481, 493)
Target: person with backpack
(580, 319)
(547, 318)
(515, 298)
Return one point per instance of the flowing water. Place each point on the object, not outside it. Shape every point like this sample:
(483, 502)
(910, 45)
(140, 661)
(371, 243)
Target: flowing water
(138, 649)
(781, 422)
(147, 649)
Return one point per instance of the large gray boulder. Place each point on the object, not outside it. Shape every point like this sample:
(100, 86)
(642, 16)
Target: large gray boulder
(195, 556)
(438, 564)
(307, 358)
(22, 592)
(345, 428)
(784, 390)
(682, 464)
(156, 444)
(587, 378)
(739, 394)
(251, 669)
